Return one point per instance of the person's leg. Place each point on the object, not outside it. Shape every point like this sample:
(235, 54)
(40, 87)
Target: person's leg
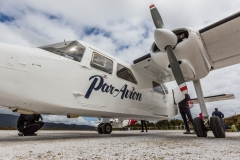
(145, 124)
(142, 125)
(40, 123)
(189, 115)
(183, 114)
(224, 127)
(31, 128)
(20, 129)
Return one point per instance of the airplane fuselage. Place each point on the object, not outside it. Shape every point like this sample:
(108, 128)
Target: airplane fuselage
(39, 81)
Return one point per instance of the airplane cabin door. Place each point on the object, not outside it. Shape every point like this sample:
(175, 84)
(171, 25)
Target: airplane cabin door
(94, 82)
(159, 100)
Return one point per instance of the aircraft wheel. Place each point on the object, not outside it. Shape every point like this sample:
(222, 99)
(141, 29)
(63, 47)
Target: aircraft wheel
(107, 128)
(99, 128)
(216, 127)
(199, 127)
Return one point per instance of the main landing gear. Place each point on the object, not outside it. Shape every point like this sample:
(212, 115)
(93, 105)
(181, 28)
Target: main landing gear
(199, 127)
(217, 127)
(202, 126)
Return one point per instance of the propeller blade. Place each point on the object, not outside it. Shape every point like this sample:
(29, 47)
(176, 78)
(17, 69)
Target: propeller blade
(157, 19)
(177, 72)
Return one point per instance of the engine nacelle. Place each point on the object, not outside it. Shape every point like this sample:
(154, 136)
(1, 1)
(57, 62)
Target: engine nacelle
(189, 51)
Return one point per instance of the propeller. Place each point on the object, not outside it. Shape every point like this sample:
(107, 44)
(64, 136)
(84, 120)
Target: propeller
(167, 40)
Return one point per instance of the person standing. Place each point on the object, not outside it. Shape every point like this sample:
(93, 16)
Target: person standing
(143, 122)
(218, 113)
(185, 113)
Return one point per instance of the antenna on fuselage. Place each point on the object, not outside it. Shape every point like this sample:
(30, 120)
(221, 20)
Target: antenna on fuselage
(65, 42)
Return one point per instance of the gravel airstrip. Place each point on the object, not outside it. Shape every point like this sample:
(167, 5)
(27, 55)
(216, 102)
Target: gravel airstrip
(118, 145)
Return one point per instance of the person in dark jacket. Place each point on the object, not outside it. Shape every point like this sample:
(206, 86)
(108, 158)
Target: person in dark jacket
(185, 112)
(218, 113)
(143, 122)
(29, 124)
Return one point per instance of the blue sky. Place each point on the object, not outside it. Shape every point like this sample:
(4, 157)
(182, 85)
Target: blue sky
(122, 28)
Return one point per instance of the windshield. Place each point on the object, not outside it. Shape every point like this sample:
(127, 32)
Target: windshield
(72, 50)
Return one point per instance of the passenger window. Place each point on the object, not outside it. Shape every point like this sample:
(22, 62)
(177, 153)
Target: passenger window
(73, 50)
(157, 88)
(101, 63)
(165, 88)
(125, 73)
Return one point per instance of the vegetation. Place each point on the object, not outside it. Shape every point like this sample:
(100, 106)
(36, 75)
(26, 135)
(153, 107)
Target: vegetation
(163, 124)
(233, 120)
(8, 128)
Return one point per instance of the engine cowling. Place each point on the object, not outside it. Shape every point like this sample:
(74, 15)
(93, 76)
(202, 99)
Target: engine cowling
(189, 52)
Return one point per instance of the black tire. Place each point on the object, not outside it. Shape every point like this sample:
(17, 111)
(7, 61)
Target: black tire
(99, 129)
(107, 128)
(216, 127)
(199, 127)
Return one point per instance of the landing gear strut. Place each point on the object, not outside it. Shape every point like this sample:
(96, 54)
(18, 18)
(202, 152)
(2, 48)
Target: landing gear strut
(202, 126)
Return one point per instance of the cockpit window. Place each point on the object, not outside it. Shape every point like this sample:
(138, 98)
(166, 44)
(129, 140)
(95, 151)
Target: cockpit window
(71, 50)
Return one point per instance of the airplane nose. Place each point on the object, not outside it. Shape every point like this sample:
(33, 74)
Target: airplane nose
(13, 74)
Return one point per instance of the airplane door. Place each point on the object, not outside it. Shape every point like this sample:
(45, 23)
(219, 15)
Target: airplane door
(95, 81)
(159, 100)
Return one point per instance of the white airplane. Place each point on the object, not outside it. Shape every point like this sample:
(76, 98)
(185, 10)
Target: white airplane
(74, 78)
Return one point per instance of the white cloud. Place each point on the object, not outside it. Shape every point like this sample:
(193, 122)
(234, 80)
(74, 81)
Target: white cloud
(64, 119)
(38, 23)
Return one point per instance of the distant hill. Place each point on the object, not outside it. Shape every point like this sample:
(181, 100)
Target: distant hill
(10, 121)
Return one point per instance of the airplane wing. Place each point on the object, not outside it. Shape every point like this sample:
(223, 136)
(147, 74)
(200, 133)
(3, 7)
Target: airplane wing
(222, 41)
(215, 98)
(146, 65)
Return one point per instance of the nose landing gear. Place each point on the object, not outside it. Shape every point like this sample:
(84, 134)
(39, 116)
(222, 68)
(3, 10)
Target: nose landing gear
(104, 128)
(107, 128)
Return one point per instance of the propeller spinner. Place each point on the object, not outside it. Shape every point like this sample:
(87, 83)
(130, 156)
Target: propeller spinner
(166, 40)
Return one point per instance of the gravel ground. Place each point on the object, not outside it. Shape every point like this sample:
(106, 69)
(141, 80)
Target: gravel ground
(119, 145)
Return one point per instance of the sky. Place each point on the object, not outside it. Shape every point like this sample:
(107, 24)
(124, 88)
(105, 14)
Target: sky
(124, 29)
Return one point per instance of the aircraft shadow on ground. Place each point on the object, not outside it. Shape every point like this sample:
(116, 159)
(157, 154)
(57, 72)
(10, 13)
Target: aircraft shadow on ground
(63, 136)
(82, 135)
